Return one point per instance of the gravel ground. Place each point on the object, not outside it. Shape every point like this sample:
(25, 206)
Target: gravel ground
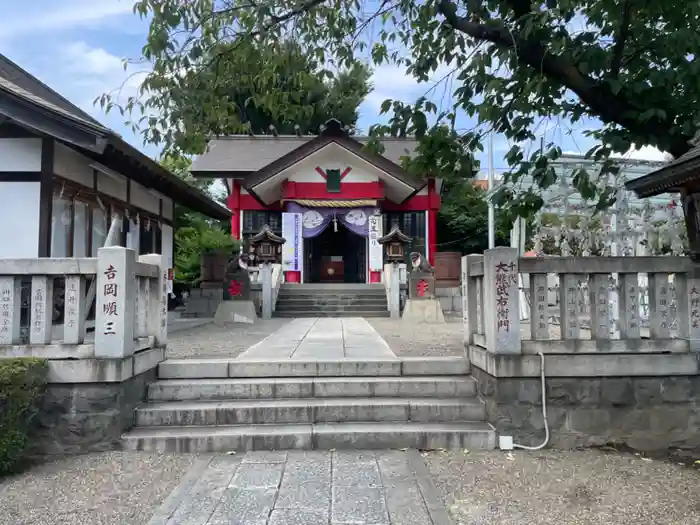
(549, 487)
(212, 340)
(112, 488)
(420, 340)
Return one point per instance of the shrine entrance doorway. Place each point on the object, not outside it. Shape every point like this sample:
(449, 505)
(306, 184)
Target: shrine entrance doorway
(337, 255)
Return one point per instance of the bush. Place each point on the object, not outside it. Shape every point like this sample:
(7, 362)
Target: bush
(22, 384)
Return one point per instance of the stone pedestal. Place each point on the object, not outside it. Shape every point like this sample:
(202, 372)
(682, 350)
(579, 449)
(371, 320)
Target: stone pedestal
(237, 305)
(423, 311)
(236, 312)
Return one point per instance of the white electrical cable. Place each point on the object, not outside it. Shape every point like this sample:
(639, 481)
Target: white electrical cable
(544, 410)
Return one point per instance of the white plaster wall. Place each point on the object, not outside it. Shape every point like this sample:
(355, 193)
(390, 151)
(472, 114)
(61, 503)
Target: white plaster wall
(71, 165)
(167, 208)
(19, 219)
(331, 157)
(112, 185)
(20, 155)
(144, 199)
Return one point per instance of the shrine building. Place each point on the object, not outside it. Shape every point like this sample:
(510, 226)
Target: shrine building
(328, 196)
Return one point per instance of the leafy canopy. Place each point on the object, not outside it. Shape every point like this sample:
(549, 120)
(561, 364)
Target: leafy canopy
(215, 89)
(629, 64)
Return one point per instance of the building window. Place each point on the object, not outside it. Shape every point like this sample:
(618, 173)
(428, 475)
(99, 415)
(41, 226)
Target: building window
(81, 231)
(61, 226)
(333, 181)
(99, 229)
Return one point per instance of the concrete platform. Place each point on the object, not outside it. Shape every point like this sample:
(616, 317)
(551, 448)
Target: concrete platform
(313, 339)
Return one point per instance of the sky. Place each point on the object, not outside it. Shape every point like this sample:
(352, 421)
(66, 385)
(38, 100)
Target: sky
(77, 47)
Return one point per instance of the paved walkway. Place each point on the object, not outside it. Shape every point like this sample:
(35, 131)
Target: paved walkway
(322, 338)
(306, 488)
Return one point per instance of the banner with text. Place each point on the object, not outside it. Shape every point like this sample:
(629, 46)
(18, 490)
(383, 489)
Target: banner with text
(376, 259)
(291, 250)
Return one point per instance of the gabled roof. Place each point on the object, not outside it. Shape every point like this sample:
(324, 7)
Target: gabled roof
(235, 155)
(33, 105)
(332, 132)
(669, 178)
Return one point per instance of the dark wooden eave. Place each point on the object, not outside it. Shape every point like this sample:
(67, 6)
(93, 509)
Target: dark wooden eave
(673, 177)
(395, 235)
(332, 132)
(266, 234)
(104, 146)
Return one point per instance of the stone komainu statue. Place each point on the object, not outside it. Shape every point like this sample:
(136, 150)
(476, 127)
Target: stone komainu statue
(419, 264)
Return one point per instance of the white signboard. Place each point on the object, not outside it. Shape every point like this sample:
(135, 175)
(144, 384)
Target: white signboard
(291, 250)
(376, 259)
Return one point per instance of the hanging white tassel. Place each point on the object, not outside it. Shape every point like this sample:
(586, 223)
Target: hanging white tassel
(335, 225)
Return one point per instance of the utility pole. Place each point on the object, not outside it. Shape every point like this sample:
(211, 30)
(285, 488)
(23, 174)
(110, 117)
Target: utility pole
(492, 215)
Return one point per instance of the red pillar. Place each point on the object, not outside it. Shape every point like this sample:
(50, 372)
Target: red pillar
(433, 208)
(234, 204)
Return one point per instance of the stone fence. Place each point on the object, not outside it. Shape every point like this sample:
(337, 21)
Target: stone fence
(98, 370)
(623, 371)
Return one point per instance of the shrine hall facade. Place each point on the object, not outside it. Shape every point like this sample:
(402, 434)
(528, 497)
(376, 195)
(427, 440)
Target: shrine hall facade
(328, 196)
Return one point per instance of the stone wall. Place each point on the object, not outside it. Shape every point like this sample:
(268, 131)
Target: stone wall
(645, 413)
(88, 417)
(450, 298)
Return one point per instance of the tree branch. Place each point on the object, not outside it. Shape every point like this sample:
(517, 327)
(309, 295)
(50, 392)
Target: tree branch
(610, 107)
(621, 41)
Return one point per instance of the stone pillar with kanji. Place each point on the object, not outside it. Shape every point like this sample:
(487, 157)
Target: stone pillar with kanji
(501, 301)
(237, 305)
(115, 302)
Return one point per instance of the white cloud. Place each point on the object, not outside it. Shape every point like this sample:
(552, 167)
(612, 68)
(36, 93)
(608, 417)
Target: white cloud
(648, 153)
(21, 19)
(94, 71)
(393, 82)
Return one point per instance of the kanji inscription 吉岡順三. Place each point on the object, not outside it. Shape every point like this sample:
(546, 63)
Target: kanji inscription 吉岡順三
(110, 307)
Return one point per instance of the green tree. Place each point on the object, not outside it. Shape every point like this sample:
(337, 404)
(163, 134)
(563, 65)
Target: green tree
(219, 94)
(628, 64)
(463, 220)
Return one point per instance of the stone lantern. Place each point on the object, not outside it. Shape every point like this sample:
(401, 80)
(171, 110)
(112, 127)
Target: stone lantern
(266, 247)
(395, 243)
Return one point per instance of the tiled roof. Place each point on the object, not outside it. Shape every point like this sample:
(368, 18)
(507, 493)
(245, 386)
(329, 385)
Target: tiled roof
(248, 154)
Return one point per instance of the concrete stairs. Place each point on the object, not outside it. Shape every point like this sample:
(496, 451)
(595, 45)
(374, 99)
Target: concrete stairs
(220, 405)
(332, 300)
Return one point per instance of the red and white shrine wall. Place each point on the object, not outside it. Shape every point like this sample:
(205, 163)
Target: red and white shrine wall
(305, 181)
(55, 202)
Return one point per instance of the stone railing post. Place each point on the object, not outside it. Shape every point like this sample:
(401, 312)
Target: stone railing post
(394, 292)
(157, 304)
(116, 302)
(688, 307)
(469, 300)
(266, 279)
(10, 309)
(501, 308)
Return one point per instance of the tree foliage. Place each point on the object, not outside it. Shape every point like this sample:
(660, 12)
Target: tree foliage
(215, 90)
(509, 64)
(463, 220)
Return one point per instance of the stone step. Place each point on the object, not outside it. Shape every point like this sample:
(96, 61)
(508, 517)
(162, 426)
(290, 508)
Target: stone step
(423, 410)
(333, 287)
(233, 368)
(291, 307)
(203, 439)
(330, 297)
(310, 387)
(325, 313)
(332, 301)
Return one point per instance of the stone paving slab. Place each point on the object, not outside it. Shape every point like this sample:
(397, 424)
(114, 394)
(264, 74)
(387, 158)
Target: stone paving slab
(318, 339)
(306, 488)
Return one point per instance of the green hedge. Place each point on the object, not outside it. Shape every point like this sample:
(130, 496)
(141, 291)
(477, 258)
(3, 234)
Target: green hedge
(22, 384)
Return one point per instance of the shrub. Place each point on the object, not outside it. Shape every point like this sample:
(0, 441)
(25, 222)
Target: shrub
(22, 384)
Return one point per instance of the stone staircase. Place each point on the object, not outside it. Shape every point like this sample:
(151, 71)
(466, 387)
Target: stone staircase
(235, 405)
(332, 300)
